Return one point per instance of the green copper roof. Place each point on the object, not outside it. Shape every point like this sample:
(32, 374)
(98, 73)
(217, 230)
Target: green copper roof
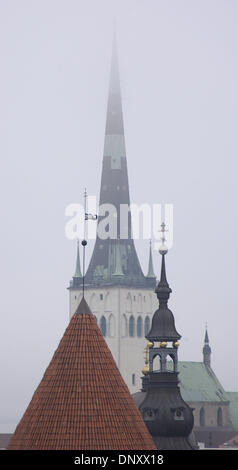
(199, 383)
(233, 397)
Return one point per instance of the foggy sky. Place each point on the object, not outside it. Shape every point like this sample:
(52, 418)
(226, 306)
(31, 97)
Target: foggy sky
(179, 75)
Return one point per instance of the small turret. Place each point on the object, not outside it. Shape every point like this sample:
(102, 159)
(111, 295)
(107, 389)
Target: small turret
(206, 351)
(151, 273)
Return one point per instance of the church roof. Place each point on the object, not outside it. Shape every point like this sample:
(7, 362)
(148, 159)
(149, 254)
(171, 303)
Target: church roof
(199, 383)
(82, 401)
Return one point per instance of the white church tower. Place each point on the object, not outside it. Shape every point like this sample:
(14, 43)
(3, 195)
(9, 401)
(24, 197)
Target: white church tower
(119, 295)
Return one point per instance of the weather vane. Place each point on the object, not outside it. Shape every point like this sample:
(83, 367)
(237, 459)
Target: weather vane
(163, 248)
(88, 216)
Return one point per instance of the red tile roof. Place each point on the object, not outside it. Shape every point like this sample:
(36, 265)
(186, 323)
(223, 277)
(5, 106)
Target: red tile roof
(82, 401)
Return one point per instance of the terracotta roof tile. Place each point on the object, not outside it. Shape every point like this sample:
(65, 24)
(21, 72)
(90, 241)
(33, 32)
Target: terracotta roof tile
(82, 401)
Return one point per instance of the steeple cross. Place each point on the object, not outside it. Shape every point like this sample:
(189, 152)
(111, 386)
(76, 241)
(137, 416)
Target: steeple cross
(163, 230)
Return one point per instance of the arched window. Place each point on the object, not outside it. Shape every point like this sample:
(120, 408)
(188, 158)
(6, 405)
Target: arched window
(103, 326)
(147, 325)
(131, 326)
(139, 327)
(202, 417)
(156, 363)
(219, 417)
(124, 327)
(112, 326)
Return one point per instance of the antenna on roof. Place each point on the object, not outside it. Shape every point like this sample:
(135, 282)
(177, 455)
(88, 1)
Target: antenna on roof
(84, 242)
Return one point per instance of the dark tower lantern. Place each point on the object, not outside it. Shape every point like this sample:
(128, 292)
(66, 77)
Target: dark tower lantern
(167, 416)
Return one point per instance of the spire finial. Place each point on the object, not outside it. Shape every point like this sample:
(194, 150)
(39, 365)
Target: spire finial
(163, 248)
(163, 290)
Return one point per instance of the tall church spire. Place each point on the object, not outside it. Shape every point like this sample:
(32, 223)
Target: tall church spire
(114, 193)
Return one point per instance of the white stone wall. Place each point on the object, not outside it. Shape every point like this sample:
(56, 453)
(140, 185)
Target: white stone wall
(117, 305)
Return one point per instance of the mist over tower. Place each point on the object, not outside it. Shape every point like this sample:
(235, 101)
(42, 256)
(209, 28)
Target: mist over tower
(114, 191)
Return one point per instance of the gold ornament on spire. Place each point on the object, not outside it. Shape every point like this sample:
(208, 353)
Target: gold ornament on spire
(146, 368)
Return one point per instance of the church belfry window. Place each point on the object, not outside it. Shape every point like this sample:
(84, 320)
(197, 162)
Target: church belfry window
(147, 325)
(139, 327)
(103, 326)
(124, 329)
(131, 326)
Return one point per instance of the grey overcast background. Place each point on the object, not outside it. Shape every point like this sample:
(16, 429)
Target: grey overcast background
(179, 76)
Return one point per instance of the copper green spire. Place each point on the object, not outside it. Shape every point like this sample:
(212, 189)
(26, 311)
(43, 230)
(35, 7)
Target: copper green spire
(78, 270)
(151, 273)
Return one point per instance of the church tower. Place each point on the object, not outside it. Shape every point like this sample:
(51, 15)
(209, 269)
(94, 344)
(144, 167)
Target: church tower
(119, 294)
(168, 417)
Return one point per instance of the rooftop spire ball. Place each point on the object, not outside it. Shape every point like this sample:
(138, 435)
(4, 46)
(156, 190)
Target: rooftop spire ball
(163, 247)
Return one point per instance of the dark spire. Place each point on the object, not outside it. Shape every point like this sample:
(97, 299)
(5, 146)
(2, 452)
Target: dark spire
(206, 351)
(109, 253)
(163, 326)
(163, 290)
